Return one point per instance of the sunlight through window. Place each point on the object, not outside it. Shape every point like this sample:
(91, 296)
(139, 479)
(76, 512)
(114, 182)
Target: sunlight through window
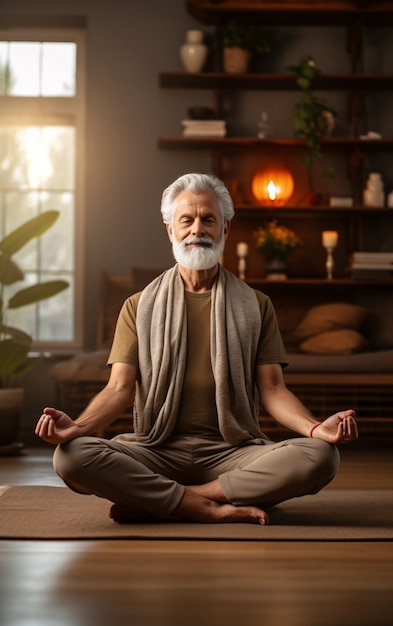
(38, 172)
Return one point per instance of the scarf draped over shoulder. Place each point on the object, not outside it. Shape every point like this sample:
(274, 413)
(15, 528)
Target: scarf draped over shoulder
(235, 327)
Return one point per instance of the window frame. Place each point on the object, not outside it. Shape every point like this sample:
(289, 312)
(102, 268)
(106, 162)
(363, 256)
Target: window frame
(64, 110)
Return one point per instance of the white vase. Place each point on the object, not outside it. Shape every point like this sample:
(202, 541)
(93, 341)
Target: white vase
(193, 53)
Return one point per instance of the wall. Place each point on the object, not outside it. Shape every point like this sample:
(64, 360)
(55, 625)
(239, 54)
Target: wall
(128, 43)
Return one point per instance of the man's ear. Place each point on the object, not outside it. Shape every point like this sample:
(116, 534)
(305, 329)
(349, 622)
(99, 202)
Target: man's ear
(227, 226)
(169, 230)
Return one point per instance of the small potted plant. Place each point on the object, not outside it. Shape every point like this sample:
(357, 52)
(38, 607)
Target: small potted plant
(15, 343)
(276, 243)
(239, 41)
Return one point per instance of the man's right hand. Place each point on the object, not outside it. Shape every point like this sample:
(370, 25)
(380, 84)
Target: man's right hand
(57, 427)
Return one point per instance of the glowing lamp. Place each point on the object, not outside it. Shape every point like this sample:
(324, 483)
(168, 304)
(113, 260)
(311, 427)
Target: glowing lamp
(273, 186)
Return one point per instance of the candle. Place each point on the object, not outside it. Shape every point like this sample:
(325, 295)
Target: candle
(242, 249)
(329, 238)
(272, 190)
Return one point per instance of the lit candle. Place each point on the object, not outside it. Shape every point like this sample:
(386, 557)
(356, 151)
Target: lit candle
(242, 249)
(329, 238)
(272, 190)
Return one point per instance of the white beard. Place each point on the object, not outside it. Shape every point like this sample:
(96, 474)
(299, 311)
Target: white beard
(198, 258)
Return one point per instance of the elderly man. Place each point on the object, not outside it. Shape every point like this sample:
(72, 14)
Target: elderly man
(198, 349)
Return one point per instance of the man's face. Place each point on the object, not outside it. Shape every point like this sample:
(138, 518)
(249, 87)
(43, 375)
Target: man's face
(198, 233)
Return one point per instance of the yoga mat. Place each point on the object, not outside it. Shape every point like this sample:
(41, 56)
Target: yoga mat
(35, 512)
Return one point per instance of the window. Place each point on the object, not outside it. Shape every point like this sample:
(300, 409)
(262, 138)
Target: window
(41, 140)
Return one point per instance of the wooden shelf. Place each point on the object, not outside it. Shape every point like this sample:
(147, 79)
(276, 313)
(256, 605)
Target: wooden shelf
(250, 143)
(344, 12)
(315, 282)
(250, 210)
(273, 82)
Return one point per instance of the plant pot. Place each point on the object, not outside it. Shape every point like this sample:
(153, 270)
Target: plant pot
(11, 402)
(276, 269)
(236, 60)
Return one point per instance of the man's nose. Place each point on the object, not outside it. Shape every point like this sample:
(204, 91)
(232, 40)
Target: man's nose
(197, 227)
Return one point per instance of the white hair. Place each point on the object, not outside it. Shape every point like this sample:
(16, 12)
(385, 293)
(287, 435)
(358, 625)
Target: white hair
(198, 183)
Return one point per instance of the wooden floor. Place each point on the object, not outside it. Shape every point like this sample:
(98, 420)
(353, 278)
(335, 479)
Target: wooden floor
(198, 583)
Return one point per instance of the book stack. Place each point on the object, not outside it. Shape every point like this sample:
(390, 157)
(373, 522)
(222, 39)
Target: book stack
(204, 128)
(376, 266)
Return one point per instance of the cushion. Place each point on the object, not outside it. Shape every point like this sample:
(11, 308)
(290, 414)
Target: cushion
(335, 315)
(90, 366)
(342, 341)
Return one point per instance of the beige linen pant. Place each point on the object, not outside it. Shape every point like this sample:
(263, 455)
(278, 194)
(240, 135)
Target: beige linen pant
(152, 480)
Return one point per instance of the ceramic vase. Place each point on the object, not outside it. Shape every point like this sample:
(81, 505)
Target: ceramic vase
(193, 52)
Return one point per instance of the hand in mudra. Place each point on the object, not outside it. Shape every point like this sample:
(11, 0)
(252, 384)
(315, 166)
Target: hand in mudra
(56, 427)
(338, 428)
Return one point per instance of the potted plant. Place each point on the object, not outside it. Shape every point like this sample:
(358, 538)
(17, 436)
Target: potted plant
(313, 119)
(276, 243)
(15, 343)
(239, 41)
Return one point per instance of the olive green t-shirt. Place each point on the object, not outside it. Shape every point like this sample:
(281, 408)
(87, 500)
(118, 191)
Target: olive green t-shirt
(197, 411)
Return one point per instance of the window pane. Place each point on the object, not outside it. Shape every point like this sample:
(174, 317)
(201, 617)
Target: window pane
(32, 68)
(56, 157)
(57, 249)
(20, 207)
(40, 123)
(24, 64)
(55, 321)
(58, 69)
(15, 158)
(37, 165)
(3, 67)
(38, 157)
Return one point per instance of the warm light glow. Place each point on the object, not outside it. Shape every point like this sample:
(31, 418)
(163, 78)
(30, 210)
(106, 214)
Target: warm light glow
(242, 249)
(272, 190)
(329, 238)
(273, 186)
(39, 166)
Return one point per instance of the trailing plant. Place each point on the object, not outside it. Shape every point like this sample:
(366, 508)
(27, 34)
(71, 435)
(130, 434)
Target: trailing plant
(252, 37)
(15, 343)
(312, 120)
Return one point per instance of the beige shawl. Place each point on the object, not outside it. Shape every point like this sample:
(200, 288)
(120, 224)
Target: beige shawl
(234, 334)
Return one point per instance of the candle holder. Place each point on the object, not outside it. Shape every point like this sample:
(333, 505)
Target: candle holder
(329, 242)
(242, 253)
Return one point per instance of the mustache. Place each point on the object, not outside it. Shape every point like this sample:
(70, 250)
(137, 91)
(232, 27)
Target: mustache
(202, 241)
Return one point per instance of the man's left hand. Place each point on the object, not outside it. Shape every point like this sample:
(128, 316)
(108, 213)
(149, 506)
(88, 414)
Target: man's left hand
(338, 428)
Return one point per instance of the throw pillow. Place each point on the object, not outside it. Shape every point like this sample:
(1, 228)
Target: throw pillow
(342, 341)
(335, 315)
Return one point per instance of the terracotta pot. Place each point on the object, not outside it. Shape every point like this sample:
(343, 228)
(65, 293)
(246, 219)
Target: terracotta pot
(236, 60)
(11, 402)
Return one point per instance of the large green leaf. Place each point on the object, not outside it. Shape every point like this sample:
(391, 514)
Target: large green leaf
(19, 335)
(35, 227)
(35, 293)
(10, 273)
(13, 356)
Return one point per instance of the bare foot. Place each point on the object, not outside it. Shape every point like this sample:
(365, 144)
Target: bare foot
(197, 508)
(234, 514)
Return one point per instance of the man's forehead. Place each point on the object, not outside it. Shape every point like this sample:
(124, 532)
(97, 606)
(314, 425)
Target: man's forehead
(205, 201)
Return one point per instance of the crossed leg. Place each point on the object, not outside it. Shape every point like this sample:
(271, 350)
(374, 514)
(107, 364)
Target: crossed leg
(131, 478)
